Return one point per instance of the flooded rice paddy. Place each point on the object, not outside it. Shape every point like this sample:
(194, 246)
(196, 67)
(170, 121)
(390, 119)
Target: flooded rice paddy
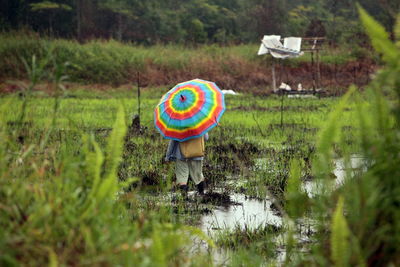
(247, 166)
(222, 213)
(245, 213)
(251, 213)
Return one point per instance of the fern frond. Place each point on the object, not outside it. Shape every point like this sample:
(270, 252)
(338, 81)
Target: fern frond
(109, 185)
(329, 134)
(340, 245)
(397, 31)
(379, 37)
(296, 199)
(94, 162)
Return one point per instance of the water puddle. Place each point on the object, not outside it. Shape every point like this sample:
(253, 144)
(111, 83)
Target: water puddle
(230, 212)
(246, 213)
(243, 213)
(313, 187)
(250, 214)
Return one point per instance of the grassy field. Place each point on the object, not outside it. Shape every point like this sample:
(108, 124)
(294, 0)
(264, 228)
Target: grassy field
(111, 62)
(251, 129)
(250, 153)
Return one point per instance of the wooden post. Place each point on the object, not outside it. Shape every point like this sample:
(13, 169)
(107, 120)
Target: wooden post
(273, 76)
(138, 94)
(318, 70)
(313, 67)
(282, 95)
(313, 71)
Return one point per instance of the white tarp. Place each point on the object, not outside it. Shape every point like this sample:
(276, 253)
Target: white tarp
(229, 92)
(285, 86)
(293, 43)
(275, 47)
(271, 44)
(263, 50)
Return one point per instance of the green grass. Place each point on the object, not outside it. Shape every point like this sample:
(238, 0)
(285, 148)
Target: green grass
(92, 110)
(61, 150)
(60, 204)
(249, 130)
(111, 62)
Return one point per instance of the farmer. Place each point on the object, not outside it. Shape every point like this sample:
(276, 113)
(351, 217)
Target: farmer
(186, 166)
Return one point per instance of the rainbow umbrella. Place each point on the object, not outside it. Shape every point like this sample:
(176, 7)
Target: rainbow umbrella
(189, 110)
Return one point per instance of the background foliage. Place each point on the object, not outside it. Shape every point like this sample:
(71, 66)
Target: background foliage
(193, 21)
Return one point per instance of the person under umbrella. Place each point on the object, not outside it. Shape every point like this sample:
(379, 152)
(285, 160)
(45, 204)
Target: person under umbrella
(185, 114)
(186, 167)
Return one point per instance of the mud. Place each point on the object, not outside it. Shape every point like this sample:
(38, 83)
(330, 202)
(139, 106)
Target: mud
(227, 158)
(218, 199)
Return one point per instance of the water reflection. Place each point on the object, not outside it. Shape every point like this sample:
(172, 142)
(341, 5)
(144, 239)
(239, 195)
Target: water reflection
(249, 213)
(340, 170)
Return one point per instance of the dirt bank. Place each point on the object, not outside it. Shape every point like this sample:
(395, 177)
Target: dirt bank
(244, 76)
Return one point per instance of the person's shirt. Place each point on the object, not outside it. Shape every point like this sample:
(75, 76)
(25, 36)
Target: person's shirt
(174, 152)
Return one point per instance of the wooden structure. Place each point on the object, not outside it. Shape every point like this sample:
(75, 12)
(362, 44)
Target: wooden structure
(310, 45)
(313, 46)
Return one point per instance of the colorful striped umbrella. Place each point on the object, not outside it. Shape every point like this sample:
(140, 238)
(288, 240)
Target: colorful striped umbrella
(189, 110)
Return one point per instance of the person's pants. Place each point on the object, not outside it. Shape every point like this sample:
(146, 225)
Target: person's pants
(186, 168)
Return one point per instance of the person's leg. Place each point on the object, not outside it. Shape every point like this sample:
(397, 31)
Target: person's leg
(196, 172)
(182, 174)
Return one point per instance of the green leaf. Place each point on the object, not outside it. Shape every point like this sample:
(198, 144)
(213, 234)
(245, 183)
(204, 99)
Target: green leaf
(47, 5)
(397, 31)
(329, 134)
(296, 199)
(109, 186)
(94, 162)
(53, 260)
(115, 144)
(379, 37)
(340, 233)
(157, 249)
(199, 233)
(105, 186)
(291, 242)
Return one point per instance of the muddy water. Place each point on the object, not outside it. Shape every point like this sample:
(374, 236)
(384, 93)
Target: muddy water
(246, 213)
(251, 213)
(313, 187)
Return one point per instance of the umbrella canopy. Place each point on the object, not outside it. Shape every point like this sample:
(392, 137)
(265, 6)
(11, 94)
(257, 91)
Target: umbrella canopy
(189, 110)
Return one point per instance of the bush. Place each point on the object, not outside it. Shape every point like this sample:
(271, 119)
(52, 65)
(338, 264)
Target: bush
(358, 224)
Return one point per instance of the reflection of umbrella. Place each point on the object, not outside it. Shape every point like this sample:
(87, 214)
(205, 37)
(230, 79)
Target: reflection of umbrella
(189, 110)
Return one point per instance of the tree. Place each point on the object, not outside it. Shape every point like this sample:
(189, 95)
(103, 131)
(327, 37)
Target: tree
(122, 11)
(51, 8)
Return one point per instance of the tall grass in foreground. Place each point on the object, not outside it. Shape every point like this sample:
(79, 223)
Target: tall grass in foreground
(358, 224)
(59, 207)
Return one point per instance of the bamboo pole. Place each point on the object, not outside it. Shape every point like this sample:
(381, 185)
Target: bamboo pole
(273, 76)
